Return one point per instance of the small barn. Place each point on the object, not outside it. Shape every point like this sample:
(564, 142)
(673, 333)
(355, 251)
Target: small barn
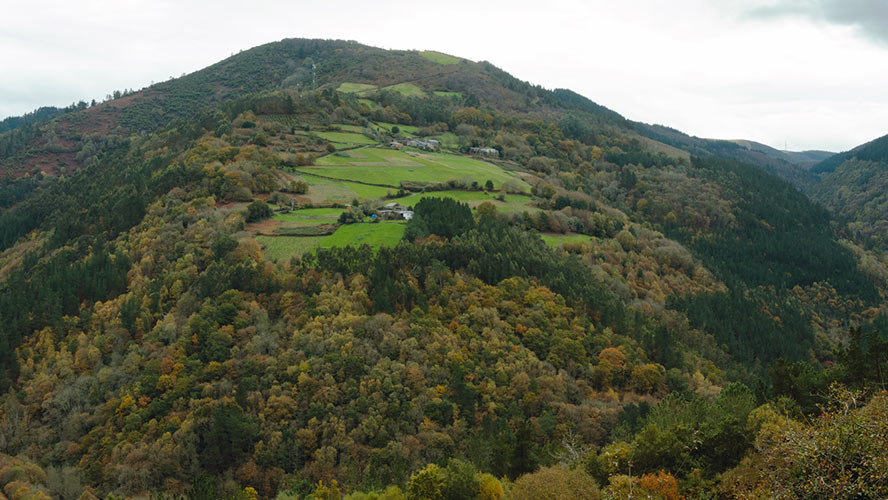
(394, 211)
(425, 145)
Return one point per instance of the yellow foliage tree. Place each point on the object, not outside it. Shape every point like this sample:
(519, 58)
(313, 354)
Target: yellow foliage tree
(556, 483)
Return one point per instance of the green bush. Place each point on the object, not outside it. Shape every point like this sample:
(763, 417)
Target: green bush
(258, 210)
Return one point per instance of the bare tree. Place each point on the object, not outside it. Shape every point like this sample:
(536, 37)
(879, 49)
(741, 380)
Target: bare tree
(572, 450)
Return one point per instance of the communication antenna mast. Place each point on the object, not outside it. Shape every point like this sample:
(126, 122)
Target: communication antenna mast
(314, 76)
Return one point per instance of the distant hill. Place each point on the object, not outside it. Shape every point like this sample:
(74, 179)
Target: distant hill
(788, 165)
(41, 114)
(296, 64)
(854, 186)
(804, 159)
(808, 158)
(875, 150)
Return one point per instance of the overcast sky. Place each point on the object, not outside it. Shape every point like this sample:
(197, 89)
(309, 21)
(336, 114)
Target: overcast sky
(808, 74)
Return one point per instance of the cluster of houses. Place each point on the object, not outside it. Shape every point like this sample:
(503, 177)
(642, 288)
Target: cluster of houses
(484, 152)
(435, 145)
(423, 144)
(393, 211)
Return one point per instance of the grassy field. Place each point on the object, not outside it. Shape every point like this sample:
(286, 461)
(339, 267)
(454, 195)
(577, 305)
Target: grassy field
(349, 128)
(464, 196)
(356, 88)
(556, 240)
(311, 215)
(346, 138)
(390, 167)
(512, 203)
(322, 191)
(405, 129)
(438, 57)
(365, 191)
(448, 140)
(386, 233)
(444, 93)
(371, 104)
(516, 203)
(281, 248)
(406, 88)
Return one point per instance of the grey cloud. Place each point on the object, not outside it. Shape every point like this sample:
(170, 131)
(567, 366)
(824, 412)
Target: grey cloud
(869, 16)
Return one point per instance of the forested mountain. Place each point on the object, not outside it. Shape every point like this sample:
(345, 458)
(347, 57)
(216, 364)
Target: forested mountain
(295, 64)
(876, 151)
(38, 115)
(791, 166)
(321, 270)
(854, 186)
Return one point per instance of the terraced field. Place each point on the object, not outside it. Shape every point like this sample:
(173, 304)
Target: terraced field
(349, 128)
(325, 191)
(512, 203)
(439, 57)
(406, 88)
(390, 167)
(339, 178)
(405, 129)
(386, 233)
(311, 216)
(556, 240)
(356, 88)
(349, 138)
(281, 248)
(306, 222)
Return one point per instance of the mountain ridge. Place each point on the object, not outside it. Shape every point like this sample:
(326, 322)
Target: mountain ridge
(262, 68)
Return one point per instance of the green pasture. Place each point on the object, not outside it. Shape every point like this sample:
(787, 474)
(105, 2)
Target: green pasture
(324, 191)
(355, 88)
(281, 248)
(311, 216)
(390, 167)
(511, 203)
(438, 57)
(346, 138)
(445, 93)
(555, 240)
(349, 128)
(448, 140)
(386, 233)
(405, 129)
(406, 89)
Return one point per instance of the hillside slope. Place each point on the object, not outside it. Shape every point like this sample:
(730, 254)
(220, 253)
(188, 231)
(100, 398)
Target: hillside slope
(68, 143)
(225, 297)
(790, 166)
(854, 186)
(804, 159)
